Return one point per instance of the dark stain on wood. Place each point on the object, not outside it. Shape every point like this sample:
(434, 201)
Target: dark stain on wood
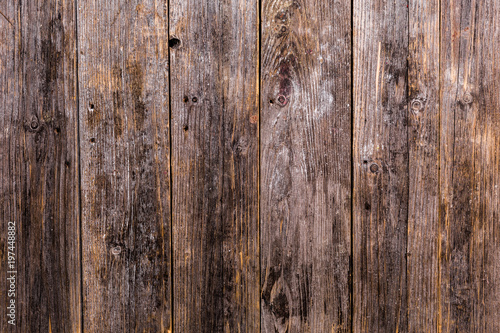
(136, 86)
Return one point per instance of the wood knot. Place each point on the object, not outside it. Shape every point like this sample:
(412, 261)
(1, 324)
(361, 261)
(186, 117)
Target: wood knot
(282, 100)
(34, 123)
(280, 305)
(116, 250)
(417, 105)
(467, 98)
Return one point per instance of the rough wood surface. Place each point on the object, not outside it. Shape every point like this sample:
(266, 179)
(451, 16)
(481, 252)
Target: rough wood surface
(470, 119)
(124, 126)
(423, 145)
(215, 119)
(380, 148)
(250, 166)
(38, 165)
(305, 166)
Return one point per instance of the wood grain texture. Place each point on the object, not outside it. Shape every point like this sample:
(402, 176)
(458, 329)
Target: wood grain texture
(305, 166)
(215, 117)
(251, 166)
(38, 164)
(124, 125)
(423, 145)
(381, 180)
(469, 162)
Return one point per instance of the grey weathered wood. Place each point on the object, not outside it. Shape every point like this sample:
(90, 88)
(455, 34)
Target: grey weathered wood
(423, 145)
(124, 125)
(380, 210)
(470, 119)
(305, 166)
(215, 116)
(38, 164)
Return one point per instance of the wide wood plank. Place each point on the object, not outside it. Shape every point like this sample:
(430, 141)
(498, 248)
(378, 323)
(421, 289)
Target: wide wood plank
(124, 125)
(381, 179)
(39, 166)
(470, 150)
(305, 166)
(423, 145)
(215, 119)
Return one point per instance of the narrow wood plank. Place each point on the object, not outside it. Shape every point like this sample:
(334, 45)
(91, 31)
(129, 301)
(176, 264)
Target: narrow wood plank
(423, 213)
(306, 166)
(215, 116)
(470, 150)
(381, 178)
(39, 165)
(124, 125)
(9, 110)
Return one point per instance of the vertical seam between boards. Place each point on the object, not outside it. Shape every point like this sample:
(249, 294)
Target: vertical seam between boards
(408, 128)
(259, 185)
(170, 172)
(78, 161)
(438, 321)
(351, 257)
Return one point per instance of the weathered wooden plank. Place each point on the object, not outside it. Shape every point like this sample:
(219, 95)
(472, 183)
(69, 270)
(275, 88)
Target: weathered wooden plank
(214, 75)
(124, 126)
(305, 166)
(9, 110)
(39, 165)
(470, 119)
(423, 145)
(380, 209)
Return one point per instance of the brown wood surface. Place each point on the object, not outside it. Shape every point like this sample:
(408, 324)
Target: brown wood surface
(250, 166)
(39, 165)
(305, 166)
(215, 165)
(124, 142)
(423, 145)
(470, 117)
(380, 152)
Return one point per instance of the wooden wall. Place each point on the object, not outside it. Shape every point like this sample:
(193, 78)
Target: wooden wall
(250, 166)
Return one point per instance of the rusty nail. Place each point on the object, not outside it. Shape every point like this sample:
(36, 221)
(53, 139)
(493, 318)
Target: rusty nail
(374, 167)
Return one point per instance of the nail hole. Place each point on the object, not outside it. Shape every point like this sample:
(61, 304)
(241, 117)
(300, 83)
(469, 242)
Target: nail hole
(195, 99)
(92, 140)
(365, 162)
(67, 163)
(185, 99)
(174, 42)
(271, 101)
(185, 128)
(57, 130)
(367, 206)
(91, 106)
